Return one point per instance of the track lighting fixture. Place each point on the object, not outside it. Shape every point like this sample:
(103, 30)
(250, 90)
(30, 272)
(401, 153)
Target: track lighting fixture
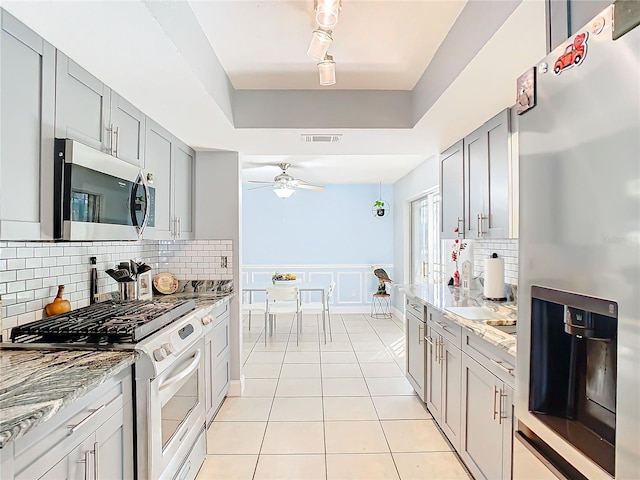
(327, 71)
(320, 42)
(327, 12)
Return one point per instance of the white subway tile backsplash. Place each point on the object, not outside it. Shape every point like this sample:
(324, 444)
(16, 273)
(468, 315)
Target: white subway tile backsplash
(16, 263)
(30, 272)
(25, 274)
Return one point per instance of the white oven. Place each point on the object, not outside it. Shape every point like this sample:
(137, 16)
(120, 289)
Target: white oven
(170, 403)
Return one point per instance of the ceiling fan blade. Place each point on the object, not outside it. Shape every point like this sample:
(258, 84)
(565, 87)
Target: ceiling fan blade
(259, 181)
(308, 186)
(261, 186)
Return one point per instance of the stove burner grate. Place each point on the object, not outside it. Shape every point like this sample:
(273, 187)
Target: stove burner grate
(108, 322)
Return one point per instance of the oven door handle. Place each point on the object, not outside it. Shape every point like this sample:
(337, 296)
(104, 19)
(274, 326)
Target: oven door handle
(193, 365)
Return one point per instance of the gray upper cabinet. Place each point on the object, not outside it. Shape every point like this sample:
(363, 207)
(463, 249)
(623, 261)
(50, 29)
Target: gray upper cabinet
(486, 178)
(83, 105)
(452, 192)
(478, 183)
(159, 148)
(183, 191)
(128, 130)
(87, 110)
(172, 164)
(27, 101)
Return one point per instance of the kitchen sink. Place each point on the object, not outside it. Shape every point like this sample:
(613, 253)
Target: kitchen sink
(476, 313)
(508, 329)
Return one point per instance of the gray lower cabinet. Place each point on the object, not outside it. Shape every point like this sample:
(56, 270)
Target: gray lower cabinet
(27, 101)
(171, 163)
(444, 366)
(217, 359)
(90, 439)
(416, 347)
(487, 412)
(87, 110)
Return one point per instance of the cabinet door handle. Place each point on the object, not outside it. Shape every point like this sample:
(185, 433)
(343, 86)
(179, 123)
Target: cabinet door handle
(96, 467)
(179, 227)
(111, 141)
(481, 217)
(502, 408)
(495, 391)
(77, 426)
(441, 349)
(501, 366)
(428, 340)
(438, 350)
(116, 134)
(442, 325)
(85, 460)
(420, 327)
(460, 230)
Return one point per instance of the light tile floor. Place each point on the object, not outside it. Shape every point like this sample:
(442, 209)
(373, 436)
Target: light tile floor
(340, 410)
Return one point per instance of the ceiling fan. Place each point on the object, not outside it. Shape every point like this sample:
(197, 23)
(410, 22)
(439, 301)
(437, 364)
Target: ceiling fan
(285, 185)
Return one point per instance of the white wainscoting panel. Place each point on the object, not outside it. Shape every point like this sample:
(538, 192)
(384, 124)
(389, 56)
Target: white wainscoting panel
(355, 284)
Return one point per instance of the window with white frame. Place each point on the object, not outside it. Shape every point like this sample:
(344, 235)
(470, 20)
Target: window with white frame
(426, 266)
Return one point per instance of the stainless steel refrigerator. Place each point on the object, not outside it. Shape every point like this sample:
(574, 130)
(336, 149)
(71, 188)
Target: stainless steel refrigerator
(578, 381)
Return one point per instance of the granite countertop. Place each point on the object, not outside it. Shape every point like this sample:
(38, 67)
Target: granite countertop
(203, 299)
(441, 296)
(37, 384)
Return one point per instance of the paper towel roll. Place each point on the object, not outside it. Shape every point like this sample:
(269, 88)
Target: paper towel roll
(494, 277)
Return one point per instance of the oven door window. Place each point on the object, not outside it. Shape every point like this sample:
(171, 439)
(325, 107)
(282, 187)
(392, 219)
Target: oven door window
(179, 398)
(99, 198)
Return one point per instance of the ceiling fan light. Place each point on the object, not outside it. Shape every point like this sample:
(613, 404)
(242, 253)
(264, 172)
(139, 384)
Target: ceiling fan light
(327, 71)
(320, 42)
(283, 192)
(327, 12)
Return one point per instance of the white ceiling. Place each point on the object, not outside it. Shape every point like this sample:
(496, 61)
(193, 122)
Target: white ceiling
(128, 47)
(376, 44)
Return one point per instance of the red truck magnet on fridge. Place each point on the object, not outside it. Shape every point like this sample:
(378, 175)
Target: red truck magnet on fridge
(573, 55)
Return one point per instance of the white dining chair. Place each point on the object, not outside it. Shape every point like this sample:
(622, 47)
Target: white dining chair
(253, 307)
(320, 309)
(282, 300)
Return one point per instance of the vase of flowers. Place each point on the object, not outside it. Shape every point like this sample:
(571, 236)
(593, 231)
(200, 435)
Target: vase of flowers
(457, 247)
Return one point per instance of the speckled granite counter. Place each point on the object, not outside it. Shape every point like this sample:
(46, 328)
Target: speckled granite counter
(442, 296)
(36, 384)
(203, 300)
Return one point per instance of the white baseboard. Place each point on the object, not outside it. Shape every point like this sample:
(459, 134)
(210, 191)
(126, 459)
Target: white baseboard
(236, 387)
(398, 313)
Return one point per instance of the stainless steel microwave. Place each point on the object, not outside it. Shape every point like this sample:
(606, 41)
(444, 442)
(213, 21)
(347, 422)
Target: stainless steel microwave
(98, 196)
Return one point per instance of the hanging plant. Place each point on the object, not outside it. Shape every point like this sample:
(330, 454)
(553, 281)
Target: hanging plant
(380, 207)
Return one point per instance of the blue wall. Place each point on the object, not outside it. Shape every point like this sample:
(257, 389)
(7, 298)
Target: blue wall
(335, 226)
(321, 237)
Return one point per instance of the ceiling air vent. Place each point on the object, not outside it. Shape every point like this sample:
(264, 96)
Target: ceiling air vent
(321, 138)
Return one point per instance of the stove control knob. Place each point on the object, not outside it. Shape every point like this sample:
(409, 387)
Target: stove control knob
(160, 354)
(163, 352)
(206, 320)
(168, 348)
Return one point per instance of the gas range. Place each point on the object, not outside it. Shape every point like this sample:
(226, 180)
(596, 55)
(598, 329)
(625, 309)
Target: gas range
(103, 324)
(170, 371)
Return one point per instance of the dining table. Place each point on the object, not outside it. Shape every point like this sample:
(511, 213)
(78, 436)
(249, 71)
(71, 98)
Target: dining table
(303, 286)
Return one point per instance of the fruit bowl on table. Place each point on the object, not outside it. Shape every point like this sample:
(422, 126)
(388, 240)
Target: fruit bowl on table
(284, 279)
(286, 282)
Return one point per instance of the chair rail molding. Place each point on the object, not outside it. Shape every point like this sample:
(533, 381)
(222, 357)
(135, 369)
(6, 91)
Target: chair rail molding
(355, 283)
